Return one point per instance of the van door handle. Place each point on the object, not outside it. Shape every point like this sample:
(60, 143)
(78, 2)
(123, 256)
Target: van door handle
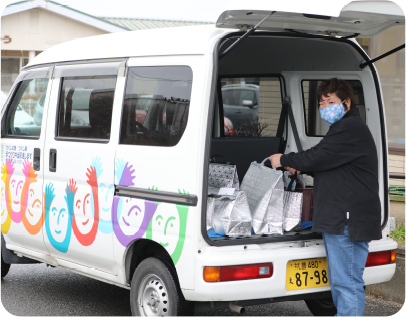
(37, 159)
(238, 111)
(52, 160)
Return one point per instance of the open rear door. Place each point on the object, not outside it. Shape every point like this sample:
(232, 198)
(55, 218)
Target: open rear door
(334, 18)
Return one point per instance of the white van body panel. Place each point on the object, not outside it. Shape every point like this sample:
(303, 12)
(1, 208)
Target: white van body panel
(277, 253)
(318, 7)
(171, 172)
(155, 42)
(342, 18)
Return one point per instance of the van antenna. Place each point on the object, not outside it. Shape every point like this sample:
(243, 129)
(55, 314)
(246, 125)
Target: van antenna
(245, 35)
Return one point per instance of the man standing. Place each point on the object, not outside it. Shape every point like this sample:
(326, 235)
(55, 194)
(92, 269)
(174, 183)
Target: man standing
(347, 208)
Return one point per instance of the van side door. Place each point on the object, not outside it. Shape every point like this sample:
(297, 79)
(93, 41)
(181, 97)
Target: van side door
(79, 172)
(22, 159)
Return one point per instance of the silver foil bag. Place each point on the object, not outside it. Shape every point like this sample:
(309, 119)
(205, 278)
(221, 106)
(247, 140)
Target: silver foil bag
(223, 175)
(230, 214)
(264, 189)
(292, 211)
(210, 210)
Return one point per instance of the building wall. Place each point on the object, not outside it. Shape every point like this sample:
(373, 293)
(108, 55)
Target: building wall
(37, 30)
(391, 71)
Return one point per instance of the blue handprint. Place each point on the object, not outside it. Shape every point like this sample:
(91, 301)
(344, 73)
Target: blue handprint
(119, 169)
(69, 198)
(97, 164)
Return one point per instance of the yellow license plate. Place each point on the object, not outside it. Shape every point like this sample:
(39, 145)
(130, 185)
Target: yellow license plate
(307, 273)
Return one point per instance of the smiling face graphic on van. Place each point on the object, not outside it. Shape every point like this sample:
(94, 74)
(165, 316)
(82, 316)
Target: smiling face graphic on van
(106, 194)
(165, 226)
(168, 228)
(130, 215)
(58, 222)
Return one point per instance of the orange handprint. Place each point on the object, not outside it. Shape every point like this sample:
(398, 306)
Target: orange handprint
(92, 176)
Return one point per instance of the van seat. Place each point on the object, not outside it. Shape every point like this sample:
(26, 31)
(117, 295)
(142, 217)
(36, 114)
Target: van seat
(242, 151)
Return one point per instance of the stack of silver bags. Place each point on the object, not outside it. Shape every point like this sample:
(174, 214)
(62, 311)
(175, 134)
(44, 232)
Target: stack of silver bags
(264, 189)
(227, 215)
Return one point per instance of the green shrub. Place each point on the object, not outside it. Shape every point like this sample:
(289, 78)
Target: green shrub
(398, 234)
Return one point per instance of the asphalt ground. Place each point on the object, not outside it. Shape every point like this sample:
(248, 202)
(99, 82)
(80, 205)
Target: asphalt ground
(38, 290)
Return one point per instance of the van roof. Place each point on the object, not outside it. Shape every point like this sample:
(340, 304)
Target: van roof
(155, 42)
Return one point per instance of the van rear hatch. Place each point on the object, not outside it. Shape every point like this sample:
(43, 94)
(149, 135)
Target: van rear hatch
(335, 18)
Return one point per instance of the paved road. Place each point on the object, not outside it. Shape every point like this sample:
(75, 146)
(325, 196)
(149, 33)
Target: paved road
(37, 290)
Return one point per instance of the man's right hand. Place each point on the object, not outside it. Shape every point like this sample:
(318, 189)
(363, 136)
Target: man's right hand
(292, 170)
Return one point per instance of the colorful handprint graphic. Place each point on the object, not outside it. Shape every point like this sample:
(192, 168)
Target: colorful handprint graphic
(88, 238)
(7, 171)
(130, 218)
(60, 245)
(106, 194)
(30, 177)
(169, 228)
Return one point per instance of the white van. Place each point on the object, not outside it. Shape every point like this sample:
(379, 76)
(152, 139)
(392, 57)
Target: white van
(124, 202)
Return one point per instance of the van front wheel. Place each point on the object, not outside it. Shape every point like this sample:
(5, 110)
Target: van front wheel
(154, 290)
(322, 307)
(5, 267)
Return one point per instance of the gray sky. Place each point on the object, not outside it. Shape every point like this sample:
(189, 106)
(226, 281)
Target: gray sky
(187, 10)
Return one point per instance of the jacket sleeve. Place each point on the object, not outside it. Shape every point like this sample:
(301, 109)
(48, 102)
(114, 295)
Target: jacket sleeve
(333, 151)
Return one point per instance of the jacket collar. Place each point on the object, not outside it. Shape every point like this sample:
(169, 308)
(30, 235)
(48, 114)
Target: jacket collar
(351, 113)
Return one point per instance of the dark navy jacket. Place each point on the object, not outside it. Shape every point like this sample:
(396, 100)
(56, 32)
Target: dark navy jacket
(345, 170)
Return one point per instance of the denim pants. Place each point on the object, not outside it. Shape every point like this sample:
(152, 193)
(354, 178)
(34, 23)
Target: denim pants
(346, 263)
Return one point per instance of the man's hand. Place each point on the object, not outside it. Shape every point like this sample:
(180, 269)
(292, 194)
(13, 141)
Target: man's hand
(292, 170)
(276, 160)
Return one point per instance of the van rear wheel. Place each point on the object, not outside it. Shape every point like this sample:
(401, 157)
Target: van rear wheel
(155, 291)
(321, 307)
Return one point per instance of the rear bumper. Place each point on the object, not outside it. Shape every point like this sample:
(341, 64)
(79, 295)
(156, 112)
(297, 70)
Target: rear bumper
(274, 287)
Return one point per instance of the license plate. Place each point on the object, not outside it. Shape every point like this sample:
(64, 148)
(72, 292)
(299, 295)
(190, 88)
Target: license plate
(307, 273)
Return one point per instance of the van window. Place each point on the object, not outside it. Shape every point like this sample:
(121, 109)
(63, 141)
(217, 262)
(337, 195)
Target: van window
(86, 106)
(23, 118)
(156, 105)
(251, 106)
(315, 126)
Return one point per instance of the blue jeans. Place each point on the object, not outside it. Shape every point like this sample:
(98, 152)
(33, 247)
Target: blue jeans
(346, 263)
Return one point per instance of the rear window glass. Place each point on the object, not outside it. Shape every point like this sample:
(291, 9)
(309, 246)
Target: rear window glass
(251, 106)
(156, 105)
(315, 125)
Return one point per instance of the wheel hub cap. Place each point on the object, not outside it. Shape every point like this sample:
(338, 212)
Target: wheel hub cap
(154, 299)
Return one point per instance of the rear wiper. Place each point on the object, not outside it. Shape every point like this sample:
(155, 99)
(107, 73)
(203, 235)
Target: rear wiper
(364, 64)
(245, 35)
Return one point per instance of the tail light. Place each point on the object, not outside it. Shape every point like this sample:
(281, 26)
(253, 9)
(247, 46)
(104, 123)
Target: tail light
(237, 272)
(381, 258)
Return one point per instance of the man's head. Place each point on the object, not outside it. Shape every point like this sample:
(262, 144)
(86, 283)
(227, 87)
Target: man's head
(333, 91)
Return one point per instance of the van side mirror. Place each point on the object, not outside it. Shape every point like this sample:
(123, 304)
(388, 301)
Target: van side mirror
(247, 103)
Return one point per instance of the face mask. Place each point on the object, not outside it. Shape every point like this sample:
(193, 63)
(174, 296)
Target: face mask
(333, 113)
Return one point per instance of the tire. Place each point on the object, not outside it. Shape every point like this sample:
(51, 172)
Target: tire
(322, 307)
(155, 290)
(5, 267)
